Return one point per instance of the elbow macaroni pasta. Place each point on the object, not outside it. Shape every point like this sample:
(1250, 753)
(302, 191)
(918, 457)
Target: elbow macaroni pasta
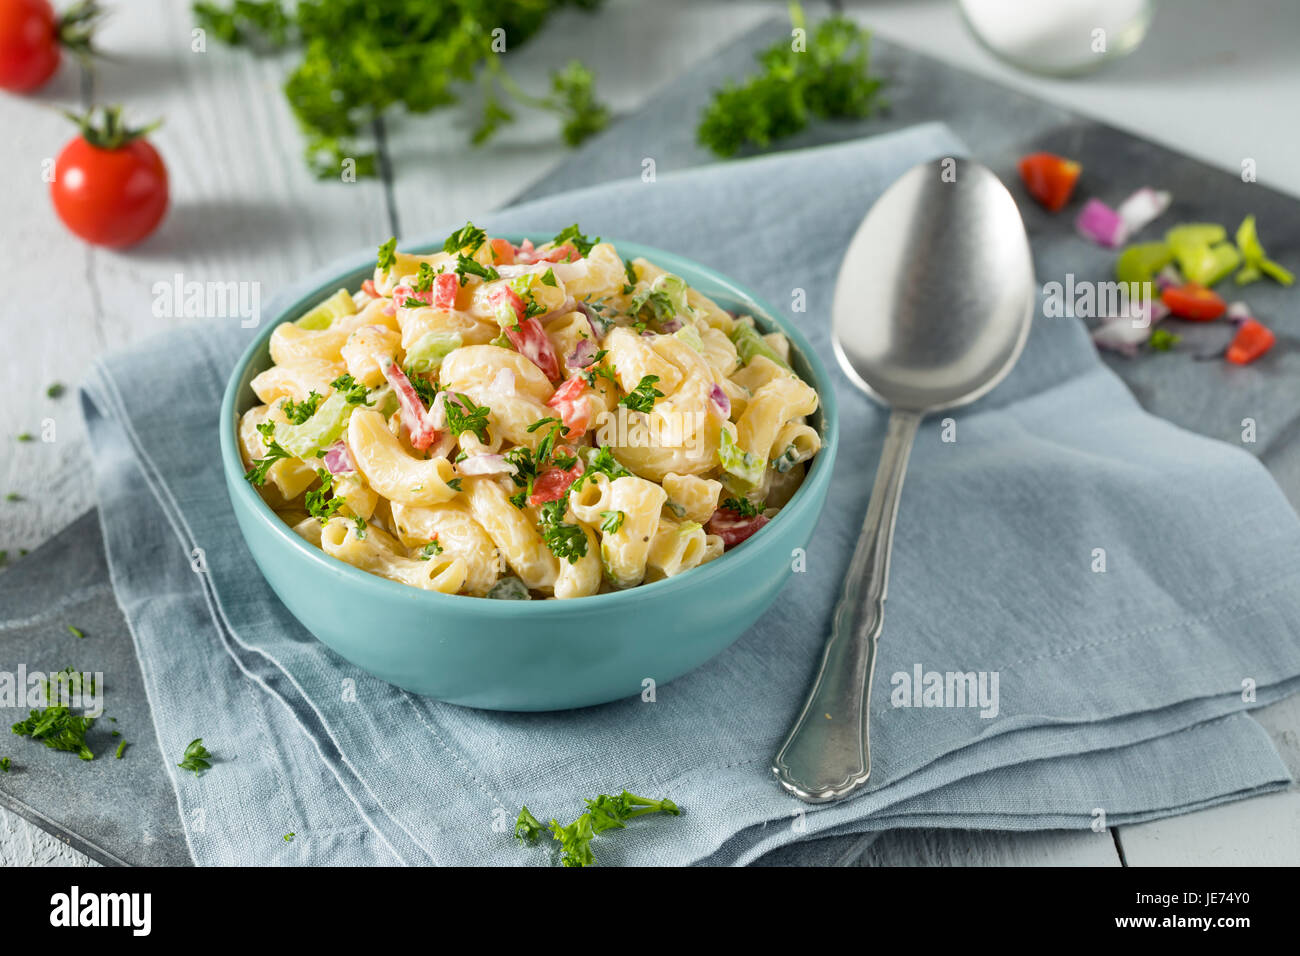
(526, 422)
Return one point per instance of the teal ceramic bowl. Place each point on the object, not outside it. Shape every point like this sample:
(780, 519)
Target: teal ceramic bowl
(531, 655)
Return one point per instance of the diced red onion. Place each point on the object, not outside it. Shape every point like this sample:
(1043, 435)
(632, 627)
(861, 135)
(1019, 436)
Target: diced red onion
(599, 325)
(583, 354)
(719, 402)
(1121, 337)
(672, 325)
(1168, 277)
(1101, 224)
(338, 459)
(1238, 312)
(1143, 207)
(570, 304)
(490, 464)
(438, 411)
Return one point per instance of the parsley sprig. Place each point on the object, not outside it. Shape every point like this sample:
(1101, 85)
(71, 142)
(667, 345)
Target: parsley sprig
(360, 60)
(196, 757)
(828, 80)
(274, 452)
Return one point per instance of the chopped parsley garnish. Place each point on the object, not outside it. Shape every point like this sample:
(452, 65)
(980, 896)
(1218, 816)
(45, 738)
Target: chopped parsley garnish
(76, 632)
(354, 393)
(430, 550)
(361, 527)
(466, 267)
(655, 304)
(613, 520)
(196, 757)
(521, 456)
(423, 278)
(25, 436)
(299, 412)
(55, 390)
(454, 484)
(548, 278)
(59, 729)
(274, 453)
(464, 416)
(573, 235)
(423, 387)
(5, 764)
(318, 506)
(519, 499)
(603, 813)
(1162, 340)
(388, 255)
(630, 271)
(604, 462)
(742, 506)
(121, 749)
(642, 398)
(13, 496)
(565, 540)
(594, 368)
(467, 237)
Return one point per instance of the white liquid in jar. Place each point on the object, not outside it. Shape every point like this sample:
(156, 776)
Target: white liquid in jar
(1058, 36)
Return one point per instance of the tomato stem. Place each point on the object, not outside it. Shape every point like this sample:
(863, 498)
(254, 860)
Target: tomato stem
(111, 131)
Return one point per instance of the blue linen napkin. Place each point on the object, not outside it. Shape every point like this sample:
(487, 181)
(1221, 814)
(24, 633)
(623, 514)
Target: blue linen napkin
(1110, 682)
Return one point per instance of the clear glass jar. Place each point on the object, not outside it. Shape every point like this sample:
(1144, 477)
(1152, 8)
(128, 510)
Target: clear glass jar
(1059, 37)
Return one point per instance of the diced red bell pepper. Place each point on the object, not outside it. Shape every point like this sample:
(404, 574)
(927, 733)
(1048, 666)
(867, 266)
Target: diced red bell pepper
(530, 341)
(1049, 178)
(564, 253)
(570, 400)
(445, 287)
(552, 483)
(733, 527)
(1193, 302)
(415, 417)
(1252, 340)
(368, 287)
(503, 253)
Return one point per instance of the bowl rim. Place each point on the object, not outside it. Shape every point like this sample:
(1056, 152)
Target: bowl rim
(245, 498)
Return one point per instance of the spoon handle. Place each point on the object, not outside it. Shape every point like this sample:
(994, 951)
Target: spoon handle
(827, 755)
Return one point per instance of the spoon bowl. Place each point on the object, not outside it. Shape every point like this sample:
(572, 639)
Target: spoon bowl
(932, 308)
(933, 302)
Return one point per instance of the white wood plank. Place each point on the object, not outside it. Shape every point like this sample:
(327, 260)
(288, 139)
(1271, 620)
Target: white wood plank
(633, 48)
(1262, 831)
(244, 209)
(990, 848)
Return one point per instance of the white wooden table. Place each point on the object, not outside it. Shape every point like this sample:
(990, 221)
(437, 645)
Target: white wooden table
(245, 209)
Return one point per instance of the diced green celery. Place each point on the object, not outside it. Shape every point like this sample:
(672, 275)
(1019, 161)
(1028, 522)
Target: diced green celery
(324, 314)
(691, 336)
(746, 468)
(1195, 234)
(676, 289)
(510, 589)
(1206, 265)
(750, 344)
(1257, 262)
(430, 349)
(318, 432)
(1140, 262)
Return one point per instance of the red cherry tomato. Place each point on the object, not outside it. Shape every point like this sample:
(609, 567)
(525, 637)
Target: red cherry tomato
(29, 44)
(1252, 340)
(1049, 178)
(1193, 302)
(110, 184)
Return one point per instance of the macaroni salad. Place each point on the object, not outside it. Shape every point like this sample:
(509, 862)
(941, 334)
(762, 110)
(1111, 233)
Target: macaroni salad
(526, 421)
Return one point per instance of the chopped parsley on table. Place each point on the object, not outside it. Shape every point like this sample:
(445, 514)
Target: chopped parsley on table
(196, 757)
(601, 814)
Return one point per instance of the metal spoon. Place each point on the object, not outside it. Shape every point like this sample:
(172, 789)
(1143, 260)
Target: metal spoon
(932, 308)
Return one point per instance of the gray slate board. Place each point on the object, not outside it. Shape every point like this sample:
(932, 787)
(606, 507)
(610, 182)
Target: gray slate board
(124, 811)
